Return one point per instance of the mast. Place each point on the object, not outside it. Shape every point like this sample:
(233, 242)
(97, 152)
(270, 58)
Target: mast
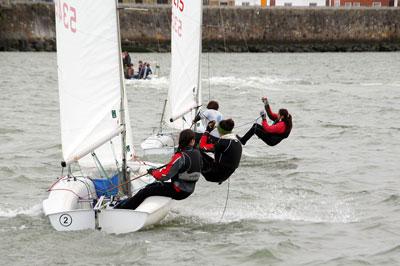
(199, 63)
(127, 187)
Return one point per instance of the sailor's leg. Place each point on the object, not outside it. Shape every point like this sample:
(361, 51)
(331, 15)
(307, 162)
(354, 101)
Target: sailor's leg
(212, 175)
(166, 189)
(154, 189)
(269, 139)
(249, 134)
(217, 174)
(207, 162)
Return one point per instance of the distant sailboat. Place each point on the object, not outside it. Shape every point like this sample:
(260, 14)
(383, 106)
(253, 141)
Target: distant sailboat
(95, 126)
(184, 94)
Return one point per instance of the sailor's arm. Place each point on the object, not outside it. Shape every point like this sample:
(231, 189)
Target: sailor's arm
(273, 116)
(204, 145)
(197, 117)
(170, 170)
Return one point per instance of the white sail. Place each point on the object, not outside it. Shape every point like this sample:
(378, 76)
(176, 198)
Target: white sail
(89, 78)
(184, 90)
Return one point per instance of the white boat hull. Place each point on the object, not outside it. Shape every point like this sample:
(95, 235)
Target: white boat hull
(113, 221)
(161, 143)
(69, 208)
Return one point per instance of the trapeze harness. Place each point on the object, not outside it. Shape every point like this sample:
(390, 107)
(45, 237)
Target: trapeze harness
(183, 170)
(227, 154)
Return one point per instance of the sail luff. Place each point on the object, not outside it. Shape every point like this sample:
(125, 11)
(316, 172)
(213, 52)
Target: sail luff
(198, 94)
(122, 108)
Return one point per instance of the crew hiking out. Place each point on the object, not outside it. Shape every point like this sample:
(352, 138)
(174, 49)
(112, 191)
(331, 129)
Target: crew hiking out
(183, 170)
(270, 134)
(227, 152)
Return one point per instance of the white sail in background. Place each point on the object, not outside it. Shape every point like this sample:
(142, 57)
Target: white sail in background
(89, 78)
(185, 62)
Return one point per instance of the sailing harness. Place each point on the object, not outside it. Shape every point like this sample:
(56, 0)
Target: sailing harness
(189, 174)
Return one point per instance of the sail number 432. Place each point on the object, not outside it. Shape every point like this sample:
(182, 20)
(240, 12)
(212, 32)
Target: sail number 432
(179, 4)
(67, 14)
(176, 22)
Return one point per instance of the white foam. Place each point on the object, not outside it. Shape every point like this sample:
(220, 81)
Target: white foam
(246, 80)
(32, 211)
(291, 208)
(371, 84)
(248, 154)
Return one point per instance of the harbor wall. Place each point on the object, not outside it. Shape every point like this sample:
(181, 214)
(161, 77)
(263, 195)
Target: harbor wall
(30, 27)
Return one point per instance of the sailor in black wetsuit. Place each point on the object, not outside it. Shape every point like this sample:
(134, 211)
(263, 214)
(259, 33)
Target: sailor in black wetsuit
(183, 170)
(227, 152)
(270, 134)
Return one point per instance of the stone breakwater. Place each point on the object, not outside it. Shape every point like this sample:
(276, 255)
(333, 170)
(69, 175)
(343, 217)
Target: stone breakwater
(31, 27)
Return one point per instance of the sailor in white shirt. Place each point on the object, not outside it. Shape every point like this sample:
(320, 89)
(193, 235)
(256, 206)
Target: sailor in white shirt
(206, 116)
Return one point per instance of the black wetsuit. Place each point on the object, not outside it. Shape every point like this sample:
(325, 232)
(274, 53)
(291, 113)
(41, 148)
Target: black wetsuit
(227, 154)
(270, 134)
(271, 139)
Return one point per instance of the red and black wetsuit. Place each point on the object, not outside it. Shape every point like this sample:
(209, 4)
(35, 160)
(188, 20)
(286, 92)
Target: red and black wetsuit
(183, 170)
(227, 154)
(270, 134)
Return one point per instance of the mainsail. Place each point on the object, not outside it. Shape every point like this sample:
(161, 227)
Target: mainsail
(184, 91)
(89, 75)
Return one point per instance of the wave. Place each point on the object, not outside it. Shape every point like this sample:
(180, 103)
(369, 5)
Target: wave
(35, 210)
(253, 160)
(298, 208)
(238, 81)
(391, 251)
(341, 126)
(369, 84)
(392, 199)
(11, 131)
(262, 255)
(253, 80)
(7, 171)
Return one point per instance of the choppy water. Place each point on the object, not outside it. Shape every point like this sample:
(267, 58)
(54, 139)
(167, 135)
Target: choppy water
(328, 195)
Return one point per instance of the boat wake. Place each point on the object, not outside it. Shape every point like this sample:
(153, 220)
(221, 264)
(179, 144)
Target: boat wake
(289, 209)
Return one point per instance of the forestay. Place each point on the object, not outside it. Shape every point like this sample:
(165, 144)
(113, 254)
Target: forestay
(184, 91)
(89, 77)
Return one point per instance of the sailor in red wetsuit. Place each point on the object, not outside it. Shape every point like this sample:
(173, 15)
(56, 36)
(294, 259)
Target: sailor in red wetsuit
(183, 170)
(227, 152)
(270, 134)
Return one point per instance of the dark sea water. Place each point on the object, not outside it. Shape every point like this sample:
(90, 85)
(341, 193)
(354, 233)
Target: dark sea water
(327, 195)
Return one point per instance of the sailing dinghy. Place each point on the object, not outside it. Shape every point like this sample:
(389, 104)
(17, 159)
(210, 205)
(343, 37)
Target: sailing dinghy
(184, 94)
(95, 129)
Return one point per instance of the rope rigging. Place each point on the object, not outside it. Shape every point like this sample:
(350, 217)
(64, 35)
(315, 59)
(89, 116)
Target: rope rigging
(91, 194)
(226, 202)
